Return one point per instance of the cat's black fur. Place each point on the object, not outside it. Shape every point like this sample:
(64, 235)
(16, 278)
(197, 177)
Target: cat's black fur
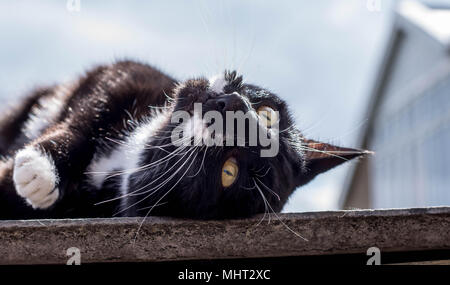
(103, 108)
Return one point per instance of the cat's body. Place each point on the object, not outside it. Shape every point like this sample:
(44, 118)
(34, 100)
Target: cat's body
(101, 146)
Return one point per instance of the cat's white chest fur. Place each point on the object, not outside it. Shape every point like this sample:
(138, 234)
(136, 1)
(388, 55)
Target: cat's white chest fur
(124, 159)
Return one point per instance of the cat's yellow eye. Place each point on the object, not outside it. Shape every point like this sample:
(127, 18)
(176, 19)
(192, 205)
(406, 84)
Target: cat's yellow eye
(229, 172)
(267, 115)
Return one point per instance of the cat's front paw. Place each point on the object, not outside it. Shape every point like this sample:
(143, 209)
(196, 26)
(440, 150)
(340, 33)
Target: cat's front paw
(35, 178)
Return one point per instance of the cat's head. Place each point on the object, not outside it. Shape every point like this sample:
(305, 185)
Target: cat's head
(192, 174)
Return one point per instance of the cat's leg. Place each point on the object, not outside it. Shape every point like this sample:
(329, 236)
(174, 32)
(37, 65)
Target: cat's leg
(13, 206)
(13, 120)
(45, 170)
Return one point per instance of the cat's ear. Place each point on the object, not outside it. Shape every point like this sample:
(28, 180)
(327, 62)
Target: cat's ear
(320, 157)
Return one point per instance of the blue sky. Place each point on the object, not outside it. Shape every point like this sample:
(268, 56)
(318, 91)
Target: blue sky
(320, 56)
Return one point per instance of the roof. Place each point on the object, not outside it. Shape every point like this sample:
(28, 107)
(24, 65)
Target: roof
(167, 239)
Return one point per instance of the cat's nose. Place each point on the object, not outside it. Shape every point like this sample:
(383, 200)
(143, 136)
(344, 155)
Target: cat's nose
(230, 102)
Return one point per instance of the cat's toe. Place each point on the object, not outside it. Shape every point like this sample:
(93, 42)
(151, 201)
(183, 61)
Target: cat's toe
(35, 178)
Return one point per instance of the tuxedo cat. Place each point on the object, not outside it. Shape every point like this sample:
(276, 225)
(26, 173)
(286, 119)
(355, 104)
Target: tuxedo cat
(101, 146)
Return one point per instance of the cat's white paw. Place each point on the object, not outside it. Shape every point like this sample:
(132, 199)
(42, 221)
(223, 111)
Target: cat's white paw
(35, 178)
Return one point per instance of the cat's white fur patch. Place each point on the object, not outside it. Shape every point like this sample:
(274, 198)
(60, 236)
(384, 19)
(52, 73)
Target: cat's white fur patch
(217, 83)
(126, 157)
(35, 178)
(46, 112)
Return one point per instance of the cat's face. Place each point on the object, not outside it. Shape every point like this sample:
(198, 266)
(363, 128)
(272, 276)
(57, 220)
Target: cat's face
(204, 179)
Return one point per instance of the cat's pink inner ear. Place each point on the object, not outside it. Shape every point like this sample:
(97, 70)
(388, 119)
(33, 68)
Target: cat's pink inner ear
(320, 156)
(319, 150)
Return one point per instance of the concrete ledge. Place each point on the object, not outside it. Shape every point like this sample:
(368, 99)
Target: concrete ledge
(164, 239)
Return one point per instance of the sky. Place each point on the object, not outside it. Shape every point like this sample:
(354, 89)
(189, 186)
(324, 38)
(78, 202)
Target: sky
(320, 56)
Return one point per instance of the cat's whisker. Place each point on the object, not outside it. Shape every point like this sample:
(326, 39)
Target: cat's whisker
(116, 141)
(271, 191)
(255, 103)
(278, 217)
(314, 125)
(169, 99)
(145, 208)
(160, 107)
(133, 193)
(156, 188)
(111, 174)
(266, 208)
(162, 175)
(201, 165)
(247, 188)
(126, 171)
(259, 170)
(165, 150)
(265, 173)
(129, 115)
(144, 167)
(179, 141)
(168, 137)
(292, 126)
(163, 196)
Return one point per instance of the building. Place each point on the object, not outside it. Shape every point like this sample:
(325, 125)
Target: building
(408, 117)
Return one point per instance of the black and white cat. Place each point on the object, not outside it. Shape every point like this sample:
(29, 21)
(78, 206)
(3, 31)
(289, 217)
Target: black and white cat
(101, 146)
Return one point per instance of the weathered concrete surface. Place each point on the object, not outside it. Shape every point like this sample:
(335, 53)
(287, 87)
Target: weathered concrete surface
(161, 239)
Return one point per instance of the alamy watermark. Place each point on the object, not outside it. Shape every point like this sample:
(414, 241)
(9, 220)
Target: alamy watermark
(73, 6)
(375, 254)
(74, 255)
(210, 130)
(373, 5)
